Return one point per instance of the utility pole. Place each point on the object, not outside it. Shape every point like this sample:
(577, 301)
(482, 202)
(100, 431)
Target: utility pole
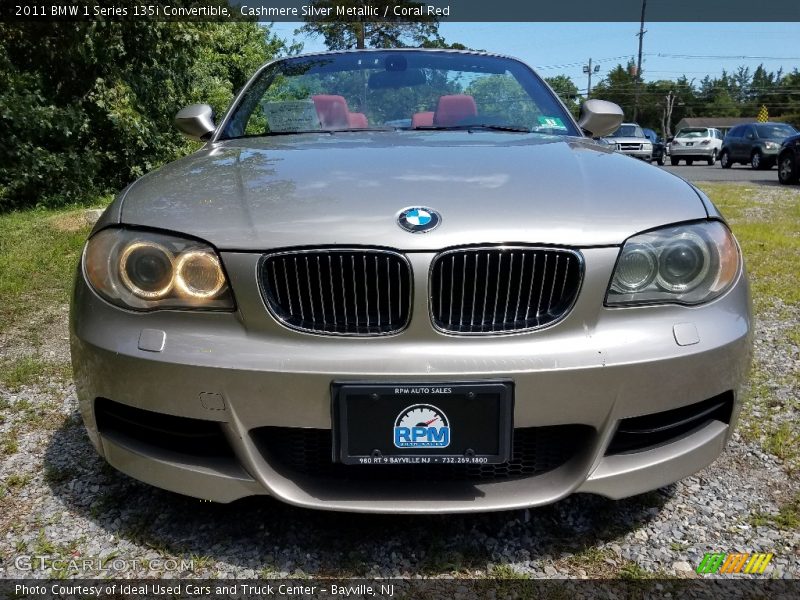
(666, 116)
(638, 81)
(588, 70)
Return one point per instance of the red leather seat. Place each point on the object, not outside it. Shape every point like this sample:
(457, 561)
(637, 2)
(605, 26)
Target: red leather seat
(332, 111)
(421, 119)
(357, 120)
(451, 110)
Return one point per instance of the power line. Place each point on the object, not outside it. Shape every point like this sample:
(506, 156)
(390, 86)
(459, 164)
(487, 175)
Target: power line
(716, 56)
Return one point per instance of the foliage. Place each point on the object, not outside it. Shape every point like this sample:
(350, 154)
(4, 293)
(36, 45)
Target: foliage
(343, 32)
(739, 94)
(504, 97)
(567, 91)
(86, 107)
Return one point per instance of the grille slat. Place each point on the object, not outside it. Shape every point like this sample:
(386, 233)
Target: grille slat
(338, 291)
(513, 289)
(288, 291)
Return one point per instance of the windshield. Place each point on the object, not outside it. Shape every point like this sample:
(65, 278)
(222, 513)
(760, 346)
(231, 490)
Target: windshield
(693, 133)
(775, 131)
(628, 131)
(393, 90)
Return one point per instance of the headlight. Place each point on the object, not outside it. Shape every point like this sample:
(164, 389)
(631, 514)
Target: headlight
(771, 145)
(146, 270)
(647, 146)
(684, 264)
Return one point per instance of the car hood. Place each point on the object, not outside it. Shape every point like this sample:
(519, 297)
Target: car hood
(319, 189)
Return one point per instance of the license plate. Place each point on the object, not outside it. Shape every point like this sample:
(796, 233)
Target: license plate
(422, 423)
(690, 143)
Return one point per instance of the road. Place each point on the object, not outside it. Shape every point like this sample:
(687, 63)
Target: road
(703, 172)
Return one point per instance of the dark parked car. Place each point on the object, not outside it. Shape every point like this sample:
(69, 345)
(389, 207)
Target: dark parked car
(754, 143)
(789, 160)
(659, 147)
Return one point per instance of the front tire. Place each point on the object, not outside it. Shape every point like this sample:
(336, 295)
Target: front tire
(661, 161)
(725, 160)
(689, 162)
(712, 159)
(787, 170)
(757, 161)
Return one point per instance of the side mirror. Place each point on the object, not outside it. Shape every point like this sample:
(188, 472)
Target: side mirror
(669, 139)
(196, 121)
(600, 117)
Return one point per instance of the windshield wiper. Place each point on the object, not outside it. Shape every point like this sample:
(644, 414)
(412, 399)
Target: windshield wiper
(479, 126)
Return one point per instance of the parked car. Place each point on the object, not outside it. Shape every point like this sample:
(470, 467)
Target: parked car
(695, 143)
(477, 308)
(789, 160)
(630, 139)
(659, 147)
(754, 143)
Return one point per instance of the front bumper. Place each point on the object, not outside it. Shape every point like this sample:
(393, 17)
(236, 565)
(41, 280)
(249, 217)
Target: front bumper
(642, 154)
(245, 372)
(692, 151)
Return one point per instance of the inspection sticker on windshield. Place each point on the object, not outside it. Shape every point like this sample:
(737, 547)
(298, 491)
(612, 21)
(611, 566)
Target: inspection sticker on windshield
(291, 115)
(552, 122)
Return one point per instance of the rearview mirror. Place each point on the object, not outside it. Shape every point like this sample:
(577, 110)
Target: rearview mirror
(600, 117)
(396, 79)
(196, 121)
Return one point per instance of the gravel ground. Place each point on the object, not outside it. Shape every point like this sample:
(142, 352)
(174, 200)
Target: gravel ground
(61, 501)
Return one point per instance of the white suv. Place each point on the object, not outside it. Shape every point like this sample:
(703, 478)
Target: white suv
(695, 143)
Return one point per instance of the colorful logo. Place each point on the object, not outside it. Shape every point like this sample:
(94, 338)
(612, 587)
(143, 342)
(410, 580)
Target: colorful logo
(418, 219)
(745, 562)
(421, 426)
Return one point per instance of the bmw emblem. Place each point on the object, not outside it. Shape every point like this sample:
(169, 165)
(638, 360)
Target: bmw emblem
(418, 219)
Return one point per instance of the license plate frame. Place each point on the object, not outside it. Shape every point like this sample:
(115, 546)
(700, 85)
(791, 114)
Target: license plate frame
(370, 419)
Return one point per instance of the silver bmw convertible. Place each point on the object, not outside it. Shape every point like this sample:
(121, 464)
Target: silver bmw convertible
(409, 281)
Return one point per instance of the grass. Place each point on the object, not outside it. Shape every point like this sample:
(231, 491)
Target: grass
(28, 370)
(766, 222)
(788, 516)
(43, 546)
(506, 572)
(39, 252)
(56, 475)
(10, 443)
(15, 480)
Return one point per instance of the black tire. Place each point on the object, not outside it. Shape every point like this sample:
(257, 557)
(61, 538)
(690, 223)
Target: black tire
(757, 161)
(725, 160)
(712, 159)
(787, 169)
(661, 160)
(689, 162)
(674, 162)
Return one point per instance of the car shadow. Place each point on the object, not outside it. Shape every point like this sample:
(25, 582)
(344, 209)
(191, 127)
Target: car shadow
(273, 538)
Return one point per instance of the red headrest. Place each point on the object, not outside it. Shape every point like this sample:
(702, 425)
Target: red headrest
(332, 110)
(357, 120)
(452, 109)
(422, 119)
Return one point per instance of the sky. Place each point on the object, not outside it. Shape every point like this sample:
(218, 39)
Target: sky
(670, 49)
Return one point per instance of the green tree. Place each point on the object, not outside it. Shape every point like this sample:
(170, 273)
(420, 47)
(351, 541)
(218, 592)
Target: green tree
(359, 31)
(618, 86)
(87, 107)
(566, 90)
